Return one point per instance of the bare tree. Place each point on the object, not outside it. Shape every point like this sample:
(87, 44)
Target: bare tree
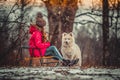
(61, 14)
(11, 32)
(105, 28)
(114, 25)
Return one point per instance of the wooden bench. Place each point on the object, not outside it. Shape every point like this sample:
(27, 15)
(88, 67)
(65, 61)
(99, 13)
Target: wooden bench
(43, 61)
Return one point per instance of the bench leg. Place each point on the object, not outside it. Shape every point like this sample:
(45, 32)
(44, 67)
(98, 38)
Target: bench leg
(41, 61)
(30, 63)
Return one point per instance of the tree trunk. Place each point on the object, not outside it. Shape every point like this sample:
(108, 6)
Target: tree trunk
(105, 28)
(61, 14)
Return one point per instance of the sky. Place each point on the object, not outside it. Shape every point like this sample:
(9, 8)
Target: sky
(85, 3)
(90, 3)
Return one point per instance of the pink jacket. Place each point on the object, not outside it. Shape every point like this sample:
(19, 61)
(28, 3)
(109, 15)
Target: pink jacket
(36, 42)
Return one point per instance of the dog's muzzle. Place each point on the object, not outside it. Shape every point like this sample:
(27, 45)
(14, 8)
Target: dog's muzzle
(66, 42)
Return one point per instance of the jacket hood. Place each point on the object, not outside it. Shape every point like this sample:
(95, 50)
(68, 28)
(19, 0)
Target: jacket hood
(32, 29)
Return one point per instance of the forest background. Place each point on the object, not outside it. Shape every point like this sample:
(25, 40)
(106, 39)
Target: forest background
(95, 23)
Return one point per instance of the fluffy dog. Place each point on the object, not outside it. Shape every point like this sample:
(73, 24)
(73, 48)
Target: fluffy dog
(69, 48)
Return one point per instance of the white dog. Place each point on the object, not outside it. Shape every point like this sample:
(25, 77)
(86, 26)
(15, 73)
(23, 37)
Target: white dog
(69, 48)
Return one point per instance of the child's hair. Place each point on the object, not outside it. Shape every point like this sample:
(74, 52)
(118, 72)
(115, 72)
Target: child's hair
(44, 36)
(40, 22)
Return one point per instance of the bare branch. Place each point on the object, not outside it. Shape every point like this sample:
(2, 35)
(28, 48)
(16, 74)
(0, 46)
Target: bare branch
(95, 14)
(83, 22)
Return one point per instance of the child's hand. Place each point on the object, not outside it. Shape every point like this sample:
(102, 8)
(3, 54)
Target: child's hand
(46, 37)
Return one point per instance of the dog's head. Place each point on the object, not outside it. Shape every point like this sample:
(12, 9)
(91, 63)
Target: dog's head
(67, 38)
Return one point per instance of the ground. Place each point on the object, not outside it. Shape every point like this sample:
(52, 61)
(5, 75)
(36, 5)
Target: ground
(58, 73)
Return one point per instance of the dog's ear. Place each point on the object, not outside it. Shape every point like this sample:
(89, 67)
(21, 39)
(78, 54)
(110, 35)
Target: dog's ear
(71, 33)
(64, 34)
